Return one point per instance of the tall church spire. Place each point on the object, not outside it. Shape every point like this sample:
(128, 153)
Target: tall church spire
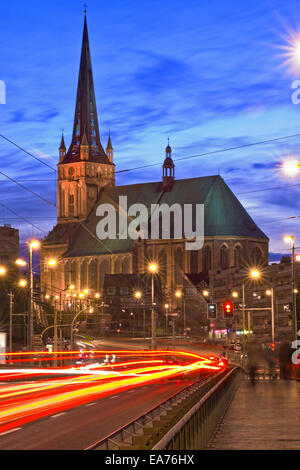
(86, 119)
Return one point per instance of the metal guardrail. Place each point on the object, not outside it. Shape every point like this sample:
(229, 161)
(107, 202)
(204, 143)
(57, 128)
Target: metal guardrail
(128, 434)
(196, 428)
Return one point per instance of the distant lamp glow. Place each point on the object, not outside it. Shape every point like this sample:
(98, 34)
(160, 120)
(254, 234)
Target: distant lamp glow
(255, 274)
(296, 291)
(91, 310)
(291, 167)
(166, 306)
(2, 271)
(138, 295)
(97, 295)
(81, 295)
(178, 293)
(47, 296)
(52, 263)
(205, 293)
(289, 239)
(153, 267)
(235, 294)
(21, 262)
(86, 291)
(22, 283)
(297, 258)
(57, 297)
(268, 292)
(34, 245)
(71, 287)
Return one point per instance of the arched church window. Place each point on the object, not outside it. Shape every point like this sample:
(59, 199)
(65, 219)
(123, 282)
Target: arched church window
(178, 266)
(238, 256)
(257, 257)
(224, 257)
(93, 281)
(206, 259)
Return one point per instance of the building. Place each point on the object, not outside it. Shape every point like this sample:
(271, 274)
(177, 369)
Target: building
(227, 285)
(9, 244)
(86, 179)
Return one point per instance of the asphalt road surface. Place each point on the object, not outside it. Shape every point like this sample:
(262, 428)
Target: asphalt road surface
(80, 427)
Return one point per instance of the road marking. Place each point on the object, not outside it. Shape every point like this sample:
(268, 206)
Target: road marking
(59, 414)
(10, 431)
(114, 397)
(91, 404)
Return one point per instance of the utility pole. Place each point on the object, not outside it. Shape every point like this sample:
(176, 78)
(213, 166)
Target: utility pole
(11, 296)
(30, 319)
(153, 317)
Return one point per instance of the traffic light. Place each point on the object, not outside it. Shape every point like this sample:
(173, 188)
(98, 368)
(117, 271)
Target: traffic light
(228, 309)
(211, 311)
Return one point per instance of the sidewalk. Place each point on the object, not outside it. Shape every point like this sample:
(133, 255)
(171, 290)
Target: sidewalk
(264, 416)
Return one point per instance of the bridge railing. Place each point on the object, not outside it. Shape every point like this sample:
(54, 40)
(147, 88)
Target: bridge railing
(196, 428)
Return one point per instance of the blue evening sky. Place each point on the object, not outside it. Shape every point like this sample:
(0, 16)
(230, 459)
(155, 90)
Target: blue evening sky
(209, 75)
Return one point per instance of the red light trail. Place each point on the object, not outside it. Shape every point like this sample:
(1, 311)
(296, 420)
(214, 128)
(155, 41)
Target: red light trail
(75, 385)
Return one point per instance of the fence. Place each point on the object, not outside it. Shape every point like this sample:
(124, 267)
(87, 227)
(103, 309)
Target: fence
(196, 428)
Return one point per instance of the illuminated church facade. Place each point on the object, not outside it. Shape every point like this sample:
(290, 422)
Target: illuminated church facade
(86, 178)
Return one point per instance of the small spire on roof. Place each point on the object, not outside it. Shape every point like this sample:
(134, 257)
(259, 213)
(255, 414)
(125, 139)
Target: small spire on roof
(109, 144)
(62, 144)
(168, 149)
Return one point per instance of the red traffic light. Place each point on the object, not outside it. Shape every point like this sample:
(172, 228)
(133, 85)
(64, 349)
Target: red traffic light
(228, 308)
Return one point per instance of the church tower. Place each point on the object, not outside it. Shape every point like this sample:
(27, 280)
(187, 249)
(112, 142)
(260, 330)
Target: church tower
(85, 168)
(168, 170)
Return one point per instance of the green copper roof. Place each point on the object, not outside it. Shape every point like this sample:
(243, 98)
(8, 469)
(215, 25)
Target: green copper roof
(224, 215)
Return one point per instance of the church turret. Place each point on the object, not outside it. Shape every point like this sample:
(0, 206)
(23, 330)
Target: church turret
(168, 169)
(62, 149)
(110, 150)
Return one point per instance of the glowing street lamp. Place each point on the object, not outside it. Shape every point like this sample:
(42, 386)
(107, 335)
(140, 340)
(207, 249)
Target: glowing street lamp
(205, 293)
(52, 263)
(255, 273)
(153, 268)
(235, 294)
(34, 245)
(291, 168)
(86, 291)
(71, 287)
(97, 295)
(22, 283)
(138, 294)
(3, 271)
(178, 294)
(20, 262)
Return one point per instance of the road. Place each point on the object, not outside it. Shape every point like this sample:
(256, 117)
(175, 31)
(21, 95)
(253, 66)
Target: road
(80, 427)
(51, 422)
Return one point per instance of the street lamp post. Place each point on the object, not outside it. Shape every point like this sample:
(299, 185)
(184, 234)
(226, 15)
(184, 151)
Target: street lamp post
(167, 308)
(34, 244)
(271, 293)
(138, 296)
(153, 268)
(11, 296)
(291, 239)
